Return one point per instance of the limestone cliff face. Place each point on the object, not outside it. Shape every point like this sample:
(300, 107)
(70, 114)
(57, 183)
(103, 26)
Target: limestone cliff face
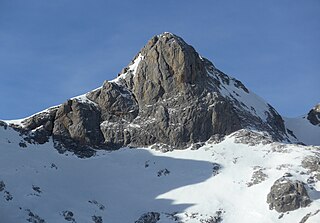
(168, 96)
(169, 67)
(77, 124)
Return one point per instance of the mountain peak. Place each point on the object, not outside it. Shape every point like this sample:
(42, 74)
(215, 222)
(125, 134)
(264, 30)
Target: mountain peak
(168, 36)
(168, 40)
(166, 65)
(168, 96)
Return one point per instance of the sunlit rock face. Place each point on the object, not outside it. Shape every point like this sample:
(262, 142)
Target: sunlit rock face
(167, 96)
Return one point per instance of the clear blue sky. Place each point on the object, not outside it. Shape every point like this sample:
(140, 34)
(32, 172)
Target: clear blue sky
(51, 50)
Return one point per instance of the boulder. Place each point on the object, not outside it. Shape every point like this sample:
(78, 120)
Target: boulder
(287, 195)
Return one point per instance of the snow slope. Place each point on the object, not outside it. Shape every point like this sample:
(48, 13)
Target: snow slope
(305, 132)
(247, 99)
(120, 186)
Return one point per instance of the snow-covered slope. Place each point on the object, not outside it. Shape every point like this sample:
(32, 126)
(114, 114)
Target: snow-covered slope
(227, 181)
(302, 128)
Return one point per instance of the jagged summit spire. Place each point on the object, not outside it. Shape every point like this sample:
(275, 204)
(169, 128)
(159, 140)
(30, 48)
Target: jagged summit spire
(166, 65)
(166, 34)
(169, 65)
(169, 38)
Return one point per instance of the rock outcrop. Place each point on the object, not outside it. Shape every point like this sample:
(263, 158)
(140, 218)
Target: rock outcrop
(150, 217)
(168, 95)
(287, 195)
(312, 164)
(40, 126)
(314, 115)
(76, 126)
(2, 185)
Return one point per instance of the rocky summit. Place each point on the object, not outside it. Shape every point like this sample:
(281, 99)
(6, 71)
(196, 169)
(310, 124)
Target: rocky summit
(168, 96)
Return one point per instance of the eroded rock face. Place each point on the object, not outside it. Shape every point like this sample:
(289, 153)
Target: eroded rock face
(168, 95)
(170, 66)
(314, 115)
(38, 128)
(115, 102)
(287, 195)
(77, 125)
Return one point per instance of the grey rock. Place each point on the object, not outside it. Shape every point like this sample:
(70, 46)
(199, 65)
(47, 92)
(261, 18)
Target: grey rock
(97, 219)
(38, 128)
(8, 196)
(258, 177)
(214, 219)
(163, 172)
(97, 204)
(3, 124)
(307, 216)
(314, 115)
(34, 218)
(22, 144)
(312, 164)
(287, 195)
(162, 147)
(170, 66)
(115, 102)
(311, 180)
(77, 125)
(36, 189)
(287, 175)
(252, 138)
(216, 167)
(68, 216)
(197, 146)
(2, 185)
(150, 217)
